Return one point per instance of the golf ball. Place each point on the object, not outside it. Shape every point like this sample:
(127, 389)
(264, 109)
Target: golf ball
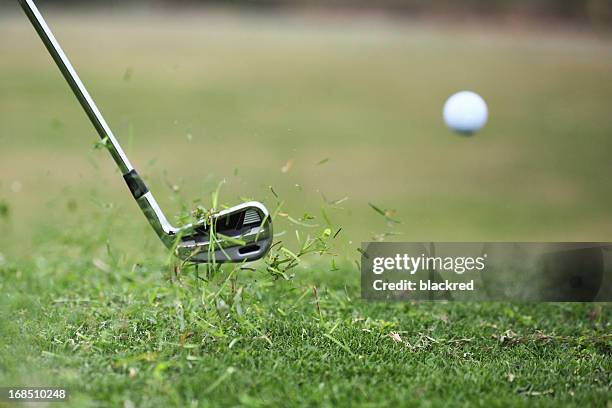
(465, 112)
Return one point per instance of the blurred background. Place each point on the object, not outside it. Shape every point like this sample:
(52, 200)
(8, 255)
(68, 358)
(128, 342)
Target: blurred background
(325, 106)
(592, 12)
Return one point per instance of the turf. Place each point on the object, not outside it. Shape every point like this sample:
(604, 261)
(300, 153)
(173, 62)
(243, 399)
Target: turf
(317, 110)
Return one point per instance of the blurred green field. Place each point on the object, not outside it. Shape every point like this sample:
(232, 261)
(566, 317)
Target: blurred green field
(256, 92)
(349, 108)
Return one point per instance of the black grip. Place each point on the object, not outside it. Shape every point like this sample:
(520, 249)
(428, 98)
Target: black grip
(135, 184)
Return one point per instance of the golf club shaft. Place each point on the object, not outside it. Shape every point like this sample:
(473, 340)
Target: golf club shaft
(140, 192)
(76, 85)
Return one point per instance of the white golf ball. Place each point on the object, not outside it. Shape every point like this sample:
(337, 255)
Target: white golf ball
(465, 112)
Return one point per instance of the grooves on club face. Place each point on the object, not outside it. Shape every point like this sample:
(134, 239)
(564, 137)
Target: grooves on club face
(239, 234)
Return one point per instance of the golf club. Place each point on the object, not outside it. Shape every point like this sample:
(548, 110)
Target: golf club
(238, 234)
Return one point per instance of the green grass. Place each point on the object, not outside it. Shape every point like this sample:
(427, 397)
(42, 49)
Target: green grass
(143, 336)
(91, 301)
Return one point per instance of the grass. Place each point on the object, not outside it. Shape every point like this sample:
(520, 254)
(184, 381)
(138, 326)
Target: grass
(155, 339)
(305, 113)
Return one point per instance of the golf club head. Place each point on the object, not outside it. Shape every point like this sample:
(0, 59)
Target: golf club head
(238, 234)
